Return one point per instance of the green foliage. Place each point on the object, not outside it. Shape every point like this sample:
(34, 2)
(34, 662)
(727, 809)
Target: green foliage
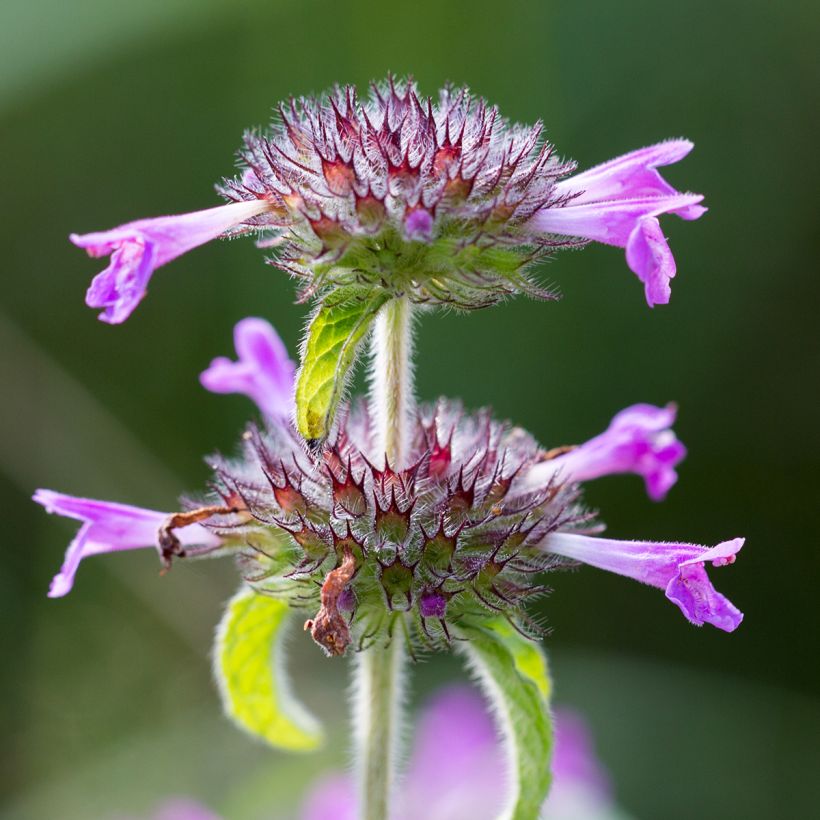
(513, 672)
(334, 334)
(249, 668)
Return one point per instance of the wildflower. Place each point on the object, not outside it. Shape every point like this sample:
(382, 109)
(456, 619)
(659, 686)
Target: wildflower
(619, 202)
(442, 201)
(138, 248)
(110, 527)
(264, 372)
(678, 569)
(457, 769)
(639, 440)
(480, 512)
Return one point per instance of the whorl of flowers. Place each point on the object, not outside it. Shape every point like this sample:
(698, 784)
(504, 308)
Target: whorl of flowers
(444, 202)
(429, 199)
(349, 538)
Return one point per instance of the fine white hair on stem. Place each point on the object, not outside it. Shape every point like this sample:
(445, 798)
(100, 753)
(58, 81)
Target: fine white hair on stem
(378, 704)
(391, 380)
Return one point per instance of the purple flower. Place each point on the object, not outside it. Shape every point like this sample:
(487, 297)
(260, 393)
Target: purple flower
(264, 372)
(138, 248)
(618, 203)
(457, 769)
(638, 440)
(109, 527)
(678, 569)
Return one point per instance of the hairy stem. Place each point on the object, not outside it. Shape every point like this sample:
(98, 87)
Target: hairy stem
(378, 680)
(377, 702)
(391, 380)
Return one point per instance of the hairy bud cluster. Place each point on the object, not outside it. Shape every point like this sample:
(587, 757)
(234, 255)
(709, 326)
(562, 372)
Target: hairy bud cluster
(425, 199)
(366, 549)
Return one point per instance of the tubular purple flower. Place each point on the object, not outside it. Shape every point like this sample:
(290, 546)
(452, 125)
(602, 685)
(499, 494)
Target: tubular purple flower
(638, 440)
(138, 248)
(618, 203)
(263, 372)
(110, 527)
(678, 569)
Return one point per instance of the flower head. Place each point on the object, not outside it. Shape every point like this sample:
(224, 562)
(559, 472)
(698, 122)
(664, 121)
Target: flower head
(430, 543)
(110, 527)
(439, 200)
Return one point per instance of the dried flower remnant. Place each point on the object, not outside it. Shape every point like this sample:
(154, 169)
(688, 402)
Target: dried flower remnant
(440, 200)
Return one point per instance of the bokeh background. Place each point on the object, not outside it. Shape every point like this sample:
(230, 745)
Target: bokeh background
(113, 111)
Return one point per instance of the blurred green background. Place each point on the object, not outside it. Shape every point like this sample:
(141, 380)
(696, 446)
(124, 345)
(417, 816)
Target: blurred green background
(110, 112)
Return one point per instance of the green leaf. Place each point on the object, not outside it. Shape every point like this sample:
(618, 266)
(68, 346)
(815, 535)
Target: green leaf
(329, 352)
(514, 675)
(249, 670)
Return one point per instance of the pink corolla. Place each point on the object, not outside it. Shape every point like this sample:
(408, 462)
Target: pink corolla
(111, 527)
(618, 203)
(678, 569)
(138, 248)
(264, 372)
(457, 770)
(638, 440)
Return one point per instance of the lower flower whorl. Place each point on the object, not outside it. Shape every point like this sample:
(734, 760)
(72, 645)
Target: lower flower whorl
(368, 549)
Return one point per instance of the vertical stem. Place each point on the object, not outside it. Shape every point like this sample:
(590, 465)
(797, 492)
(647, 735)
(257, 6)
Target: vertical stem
(379, 669)
(377, 703)
(391, 380)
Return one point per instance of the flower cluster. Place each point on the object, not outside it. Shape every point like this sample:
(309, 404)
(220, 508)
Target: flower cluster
(364, 549)
(444, 202)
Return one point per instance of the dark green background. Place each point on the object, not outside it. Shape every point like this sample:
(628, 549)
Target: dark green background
(110, 112)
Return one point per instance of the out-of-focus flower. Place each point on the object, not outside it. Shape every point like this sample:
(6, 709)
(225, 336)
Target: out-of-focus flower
(175, 808)
(619, 202)
(264, 371)
(457, 770)
(138, 248)
(678, 569)
(110, 527)
(638, 440)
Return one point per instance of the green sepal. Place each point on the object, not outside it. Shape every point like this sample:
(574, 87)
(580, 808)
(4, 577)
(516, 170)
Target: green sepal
(248, 664)
(514, 675)
(334, 334)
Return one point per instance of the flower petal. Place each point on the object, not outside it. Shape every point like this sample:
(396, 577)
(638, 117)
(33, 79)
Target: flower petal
(138, 248)
(676, 568)
(264, 372)
(610, 222)
(649, 257)
(628, 176)
(109, 527)
(638, 440)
